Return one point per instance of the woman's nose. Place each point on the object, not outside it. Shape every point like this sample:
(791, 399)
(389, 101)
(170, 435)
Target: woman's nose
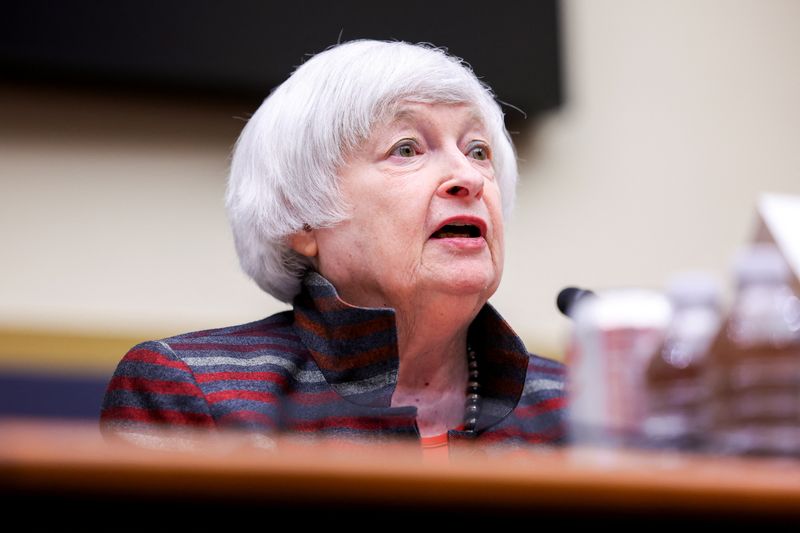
(461, 179)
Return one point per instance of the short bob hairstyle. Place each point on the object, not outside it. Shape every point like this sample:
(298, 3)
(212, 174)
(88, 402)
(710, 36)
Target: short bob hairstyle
(284, 168)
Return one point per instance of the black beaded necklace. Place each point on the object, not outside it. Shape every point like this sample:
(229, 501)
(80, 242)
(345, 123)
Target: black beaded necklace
(473, 403)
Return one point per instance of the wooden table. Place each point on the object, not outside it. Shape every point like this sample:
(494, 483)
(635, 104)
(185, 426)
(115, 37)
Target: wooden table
(62, 467)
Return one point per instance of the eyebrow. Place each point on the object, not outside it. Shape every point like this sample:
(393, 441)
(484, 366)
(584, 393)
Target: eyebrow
(407, 113)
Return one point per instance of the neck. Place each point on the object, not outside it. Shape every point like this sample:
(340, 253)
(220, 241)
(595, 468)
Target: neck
(432, 345)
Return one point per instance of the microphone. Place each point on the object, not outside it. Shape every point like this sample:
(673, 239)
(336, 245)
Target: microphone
(569, 296)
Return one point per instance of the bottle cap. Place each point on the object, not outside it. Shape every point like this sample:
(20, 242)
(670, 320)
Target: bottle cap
(694, 288)
(760, 263)
(624, 307)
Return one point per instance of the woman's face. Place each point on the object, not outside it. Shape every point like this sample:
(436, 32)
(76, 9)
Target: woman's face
(426, 212)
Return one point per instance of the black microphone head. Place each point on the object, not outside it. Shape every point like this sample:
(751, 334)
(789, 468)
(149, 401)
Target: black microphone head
(568, 297)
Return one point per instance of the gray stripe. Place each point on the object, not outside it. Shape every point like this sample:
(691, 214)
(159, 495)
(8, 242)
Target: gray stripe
(366, 385)
(303, 376)
(540, 384)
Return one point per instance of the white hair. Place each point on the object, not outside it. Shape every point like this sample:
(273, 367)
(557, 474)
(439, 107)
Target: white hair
(284, 168)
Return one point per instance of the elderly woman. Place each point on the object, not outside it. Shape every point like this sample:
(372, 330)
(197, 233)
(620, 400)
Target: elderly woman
(369, 190)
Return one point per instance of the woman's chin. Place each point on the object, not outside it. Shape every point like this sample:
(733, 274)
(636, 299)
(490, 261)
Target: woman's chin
(467, 282)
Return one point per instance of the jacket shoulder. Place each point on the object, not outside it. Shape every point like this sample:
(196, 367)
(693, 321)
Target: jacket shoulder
(274, 333)
(545, 377)
(542, 407)
(545, 366)
(274, 324)
(168, 382)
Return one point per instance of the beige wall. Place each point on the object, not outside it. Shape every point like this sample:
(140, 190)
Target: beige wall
(678, 114)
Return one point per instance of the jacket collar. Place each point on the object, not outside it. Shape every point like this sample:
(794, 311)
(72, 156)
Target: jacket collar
(355, 348)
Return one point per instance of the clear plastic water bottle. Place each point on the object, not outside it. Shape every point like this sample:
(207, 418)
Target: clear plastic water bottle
(676, 389)
(615, 334)
(754, 364)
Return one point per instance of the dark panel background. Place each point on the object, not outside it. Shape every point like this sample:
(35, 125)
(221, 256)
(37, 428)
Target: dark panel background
(241, 49)
(51, 395)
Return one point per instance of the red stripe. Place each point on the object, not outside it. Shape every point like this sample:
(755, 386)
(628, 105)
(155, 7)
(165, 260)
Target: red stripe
(157, 416)
(227, 347)
(542, 407)
(315, 398)
(347, 332)
(149, 356)
(360, 423)
(233, 394)
(355, 359)
(273, 377)
(156, 386)
(552, 434)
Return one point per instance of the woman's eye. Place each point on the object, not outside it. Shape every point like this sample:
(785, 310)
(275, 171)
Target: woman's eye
(405, 150)
(481, 153)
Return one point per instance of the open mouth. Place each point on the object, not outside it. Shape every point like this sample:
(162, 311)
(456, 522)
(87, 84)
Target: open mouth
(457, 231)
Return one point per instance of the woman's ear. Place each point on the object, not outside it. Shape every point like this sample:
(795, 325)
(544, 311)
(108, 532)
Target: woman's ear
(304, 242)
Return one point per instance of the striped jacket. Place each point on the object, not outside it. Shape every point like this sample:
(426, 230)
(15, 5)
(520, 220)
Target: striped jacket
(325, 368)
